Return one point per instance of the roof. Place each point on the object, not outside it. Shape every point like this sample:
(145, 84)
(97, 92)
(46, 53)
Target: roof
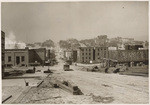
(15, 49)
(26, 49)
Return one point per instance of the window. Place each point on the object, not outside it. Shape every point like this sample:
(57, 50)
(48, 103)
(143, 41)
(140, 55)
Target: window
(9, 58)
(82, 53)
(86, 53)
(89, 49)
(83, 59)
(89, 53)
(97, 53)
(22, 58)
(89, 57)
(2, 58)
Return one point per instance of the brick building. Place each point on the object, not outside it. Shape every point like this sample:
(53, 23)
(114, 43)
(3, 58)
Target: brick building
(24, 57)
(3, 51)
(16, 57)
(37, 55)
(74, 55)
(92, 54)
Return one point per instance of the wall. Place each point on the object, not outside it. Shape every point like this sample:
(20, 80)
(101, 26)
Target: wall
(38, 55)
(74, 56)
(30, 55)
(129, 55)
(100, 53)
(3, 51)
(13, 54)
(87, 54)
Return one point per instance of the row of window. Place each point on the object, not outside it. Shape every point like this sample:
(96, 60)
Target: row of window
(95, 49)
(86, 53)
(86, 58)
(10, 58)
(89, 53)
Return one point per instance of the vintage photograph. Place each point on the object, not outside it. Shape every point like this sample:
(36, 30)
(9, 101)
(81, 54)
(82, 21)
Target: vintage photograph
(81, 52)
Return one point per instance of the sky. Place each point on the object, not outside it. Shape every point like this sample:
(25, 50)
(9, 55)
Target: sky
(39, 21)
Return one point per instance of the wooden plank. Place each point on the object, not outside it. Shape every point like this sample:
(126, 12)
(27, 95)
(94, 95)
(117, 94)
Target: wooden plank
(6, 99)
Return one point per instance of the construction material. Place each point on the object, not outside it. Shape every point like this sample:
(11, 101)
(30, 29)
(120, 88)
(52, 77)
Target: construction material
(117, 70)
(70, 87)
(53, 83)
(6, 99)
(30, 71)
(66, 67)
(40, 83)
(38, 70)
(93, 69)
(48, 71)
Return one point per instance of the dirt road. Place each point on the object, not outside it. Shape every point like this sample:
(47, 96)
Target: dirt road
(97, 88)
(122, 88)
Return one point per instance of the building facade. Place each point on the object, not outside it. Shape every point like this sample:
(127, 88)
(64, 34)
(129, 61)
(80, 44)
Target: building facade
(37, 55)
(68, 54)
(16, 57)
(3, 52)
(24, 57)
(74, 55)
(92, 54)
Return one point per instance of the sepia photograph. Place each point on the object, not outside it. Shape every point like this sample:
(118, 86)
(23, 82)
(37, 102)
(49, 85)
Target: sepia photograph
(75, 52)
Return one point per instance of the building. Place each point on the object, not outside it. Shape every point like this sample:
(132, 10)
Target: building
(92, 54)
(24, 57)
(37, 56)
(47, 54)
(3, 52)
(128, 56)
(133, 47)
(68, 54)
(16, 57)
(74, 55)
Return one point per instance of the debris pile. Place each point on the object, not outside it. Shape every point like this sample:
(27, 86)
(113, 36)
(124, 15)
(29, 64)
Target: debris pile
(67, 86)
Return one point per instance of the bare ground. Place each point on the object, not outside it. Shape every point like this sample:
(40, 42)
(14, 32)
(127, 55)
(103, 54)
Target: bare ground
(97, 88)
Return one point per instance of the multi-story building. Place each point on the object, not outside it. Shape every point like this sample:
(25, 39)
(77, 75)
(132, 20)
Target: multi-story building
(37, 55)
(68, 54)
(3, 51)
(92, 54)
(24, 57)
(74, 55)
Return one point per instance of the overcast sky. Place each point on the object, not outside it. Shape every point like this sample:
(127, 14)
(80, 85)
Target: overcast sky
(37, 22)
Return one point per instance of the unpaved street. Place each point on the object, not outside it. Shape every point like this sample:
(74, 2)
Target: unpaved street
(122, 88)
(96, 87)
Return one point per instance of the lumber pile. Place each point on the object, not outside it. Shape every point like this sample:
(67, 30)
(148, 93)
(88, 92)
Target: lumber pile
(67, 86)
